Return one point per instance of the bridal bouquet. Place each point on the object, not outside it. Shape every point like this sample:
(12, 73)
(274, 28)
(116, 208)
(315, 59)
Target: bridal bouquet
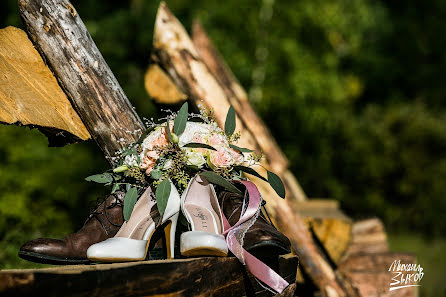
(177, 149)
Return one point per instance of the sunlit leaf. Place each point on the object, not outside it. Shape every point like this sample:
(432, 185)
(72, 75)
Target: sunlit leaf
(180, 121)
(241, 149)
(162, 195)
(214, 178)
(230, 121)
(249, 170)
(129, 202)
(102, 178)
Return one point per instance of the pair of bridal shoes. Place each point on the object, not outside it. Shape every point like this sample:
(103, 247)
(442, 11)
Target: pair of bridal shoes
(139, 234)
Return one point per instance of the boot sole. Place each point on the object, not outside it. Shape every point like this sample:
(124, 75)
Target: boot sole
(46, 259)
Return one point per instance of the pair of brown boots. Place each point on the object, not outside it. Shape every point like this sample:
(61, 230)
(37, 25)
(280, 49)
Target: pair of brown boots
(261, 240)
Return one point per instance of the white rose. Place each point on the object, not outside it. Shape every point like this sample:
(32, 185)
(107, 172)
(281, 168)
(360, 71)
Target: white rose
(131, 161)
(195, 159)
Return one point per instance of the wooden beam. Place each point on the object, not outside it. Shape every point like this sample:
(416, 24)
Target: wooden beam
(331, 227)
(62, 39)
(238, 98)
(160, 87)
(216, 276)
(29, 93)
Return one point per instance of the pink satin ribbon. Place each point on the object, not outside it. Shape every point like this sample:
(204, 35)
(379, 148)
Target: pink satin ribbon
(261, 271)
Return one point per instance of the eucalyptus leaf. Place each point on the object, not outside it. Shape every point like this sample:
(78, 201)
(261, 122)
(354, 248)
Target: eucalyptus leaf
(162, 195)
(127, 187)
(230, 121)
(180, 121)
(199, 145)
(129, 202)
(276, 184)
(169, 134)
(156, 174)
(102, 178)
(218, 180)
(249, 170)
(115, 188)
(242, 149)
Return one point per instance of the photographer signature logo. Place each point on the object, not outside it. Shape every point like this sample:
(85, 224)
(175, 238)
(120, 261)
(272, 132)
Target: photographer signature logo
(405, 275)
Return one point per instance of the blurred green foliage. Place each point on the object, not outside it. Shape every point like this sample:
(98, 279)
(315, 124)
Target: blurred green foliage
(352, 89)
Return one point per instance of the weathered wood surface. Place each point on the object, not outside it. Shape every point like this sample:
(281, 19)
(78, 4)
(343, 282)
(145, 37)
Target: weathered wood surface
(160, 87)
(368, 236)
(29, 93)
(369, 273)
(238, 98)
(60, 36)
(331, 227)
(177, 55)
(218, 276)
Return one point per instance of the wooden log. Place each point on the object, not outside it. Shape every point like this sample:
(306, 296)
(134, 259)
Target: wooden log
(29, 93)
(176, 54)
(368, 236)
(160, 87)
(238, 98)
(216, 276)
(329, 224)
(62, 39)
(370, 274)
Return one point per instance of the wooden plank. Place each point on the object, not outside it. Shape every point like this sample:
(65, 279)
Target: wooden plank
(29, 93)
(61, 37)
(217, 276)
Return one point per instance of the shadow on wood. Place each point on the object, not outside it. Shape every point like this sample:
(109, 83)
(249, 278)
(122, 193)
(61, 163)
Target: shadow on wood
(220, 276)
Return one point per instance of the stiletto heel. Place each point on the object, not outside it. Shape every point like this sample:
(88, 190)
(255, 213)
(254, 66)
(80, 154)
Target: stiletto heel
(169, 232)
(200, 207)
(141, 231)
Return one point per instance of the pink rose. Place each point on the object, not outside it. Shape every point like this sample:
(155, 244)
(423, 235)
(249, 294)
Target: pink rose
(238, 157)
(148, 164)
(217, 139)
(221, 158)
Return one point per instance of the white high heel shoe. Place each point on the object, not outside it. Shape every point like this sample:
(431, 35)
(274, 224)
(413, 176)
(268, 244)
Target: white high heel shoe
(133, 239)
(200, 207)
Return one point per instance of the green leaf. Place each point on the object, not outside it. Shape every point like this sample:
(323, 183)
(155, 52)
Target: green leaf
(144, 135)
(115, 188)
(242, 149)
(230, 121)
(156, 174)
(180, 121)
(199, 145)
(249, 170)
(182, 219)
(102, 178)
(214, 178)
(129, 202)
(169, 134)
(276, 184)
(162, 195)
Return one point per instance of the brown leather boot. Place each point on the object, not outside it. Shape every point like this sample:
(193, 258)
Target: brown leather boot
(102, 223)
(262, 240)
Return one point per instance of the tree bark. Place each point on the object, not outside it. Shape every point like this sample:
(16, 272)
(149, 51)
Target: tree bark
(63, 41)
